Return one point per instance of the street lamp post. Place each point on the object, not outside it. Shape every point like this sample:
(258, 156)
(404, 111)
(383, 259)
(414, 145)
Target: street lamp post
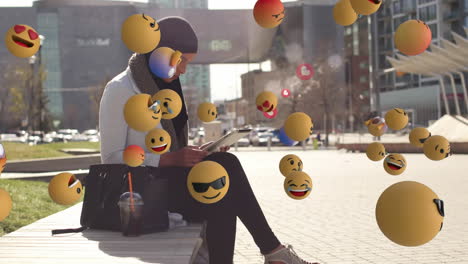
(32, 61)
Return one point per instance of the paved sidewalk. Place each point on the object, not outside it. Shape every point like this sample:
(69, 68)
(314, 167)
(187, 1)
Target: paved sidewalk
(336, 223)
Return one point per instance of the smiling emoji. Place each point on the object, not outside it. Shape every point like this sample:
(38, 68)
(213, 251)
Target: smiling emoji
(396, 118)
(409, 213)
(158, 141)
(290, 163)
(134, 155)
(207, 112)
(140, 33)
(65, 188)
(297, 185)
(298, 126)
(22, 41)
(412, 37)
(394, 164)
(376, 126)
(418, 136)
(171, 103)
(141, 113)
(437, 148)
(267, 102)
(365, 7)
(208, 182)
(376, 151)
(268, 13)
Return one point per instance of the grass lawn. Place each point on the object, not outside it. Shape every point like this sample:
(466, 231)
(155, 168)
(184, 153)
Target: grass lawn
(21, 151)
(31, 202)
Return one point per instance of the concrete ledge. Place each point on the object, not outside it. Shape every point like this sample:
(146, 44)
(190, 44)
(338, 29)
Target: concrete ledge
(43, 176)
(53, 164)
(456, 147)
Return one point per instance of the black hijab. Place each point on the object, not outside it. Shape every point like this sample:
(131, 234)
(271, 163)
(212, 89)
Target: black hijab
(177, 34)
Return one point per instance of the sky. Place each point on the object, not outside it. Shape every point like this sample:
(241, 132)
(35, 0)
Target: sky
(225, 78)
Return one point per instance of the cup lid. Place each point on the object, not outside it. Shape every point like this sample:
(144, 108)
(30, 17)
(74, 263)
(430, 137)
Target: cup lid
(125, 199)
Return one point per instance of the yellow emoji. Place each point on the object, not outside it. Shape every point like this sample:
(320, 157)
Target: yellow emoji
(343, 13)
(158, 141)
(5, 204)
(418, 136)
(297, 185)
(141, 113)
(207, 112)
(436, 148)
(412, 37)
(298, 126)
(409, 213)
(366, 7)
(376, 151)
(208, 182)
(266, 101)
(134, 155)
(171, 103)
(140, 33)
(376, 126)
(65, 188)
(396, 118)
(394, 164)
(290, 163)
(22, 41)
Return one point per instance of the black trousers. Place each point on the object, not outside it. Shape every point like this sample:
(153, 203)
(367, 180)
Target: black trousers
(221, 218)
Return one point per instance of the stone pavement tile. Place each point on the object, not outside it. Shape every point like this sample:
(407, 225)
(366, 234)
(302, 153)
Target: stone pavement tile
(338, 217)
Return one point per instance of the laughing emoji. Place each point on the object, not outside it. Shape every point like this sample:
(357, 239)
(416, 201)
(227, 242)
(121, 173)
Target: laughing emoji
(394, 164)
(141, 113)
(298, 185)
(158, 141)
(65, 189)
(208, 182)
(267, 102)
(22, 41)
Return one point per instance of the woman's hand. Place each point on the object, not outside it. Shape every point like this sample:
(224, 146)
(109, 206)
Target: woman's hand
(221, 149)
(185, 157)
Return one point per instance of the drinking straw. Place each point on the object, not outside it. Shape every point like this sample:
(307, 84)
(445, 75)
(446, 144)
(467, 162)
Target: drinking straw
(130, 186)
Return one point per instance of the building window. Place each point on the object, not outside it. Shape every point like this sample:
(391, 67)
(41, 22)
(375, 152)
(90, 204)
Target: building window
(363, 65)
(433, 28)
(363, 79)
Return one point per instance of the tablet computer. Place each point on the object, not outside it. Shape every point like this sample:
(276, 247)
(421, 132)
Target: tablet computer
(228, 139)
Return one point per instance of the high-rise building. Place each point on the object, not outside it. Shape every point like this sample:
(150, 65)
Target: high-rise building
(197, 76)
(357, 64)
(408, 90)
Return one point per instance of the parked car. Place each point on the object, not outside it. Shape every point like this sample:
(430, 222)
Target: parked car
(13, 138)
(92, 135)
(66, 134)
(262, 139)
(243, 142)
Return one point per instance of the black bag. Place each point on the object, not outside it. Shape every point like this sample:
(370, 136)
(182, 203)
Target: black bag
(104, 185)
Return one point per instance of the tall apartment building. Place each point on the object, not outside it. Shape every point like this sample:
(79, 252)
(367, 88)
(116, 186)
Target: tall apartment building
(417, 93)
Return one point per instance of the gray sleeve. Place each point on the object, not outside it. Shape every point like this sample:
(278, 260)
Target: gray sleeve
(112, 125)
